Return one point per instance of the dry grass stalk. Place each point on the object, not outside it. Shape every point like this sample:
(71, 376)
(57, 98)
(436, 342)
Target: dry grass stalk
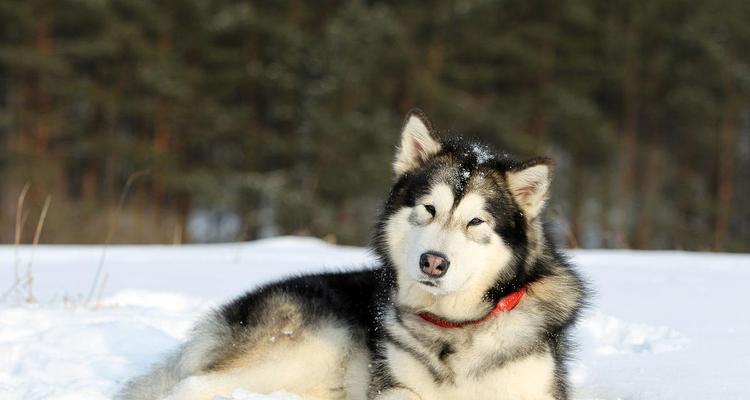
(110, 236)
(20, 220)
(37, 234)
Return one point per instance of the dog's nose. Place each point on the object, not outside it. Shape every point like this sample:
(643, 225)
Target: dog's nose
(434, 264)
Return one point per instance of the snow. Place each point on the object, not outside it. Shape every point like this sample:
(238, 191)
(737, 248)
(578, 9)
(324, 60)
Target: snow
(482, 152)
(663, 325)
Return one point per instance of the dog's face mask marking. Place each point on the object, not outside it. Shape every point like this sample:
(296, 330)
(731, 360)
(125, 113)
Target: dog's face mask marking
(459, 214)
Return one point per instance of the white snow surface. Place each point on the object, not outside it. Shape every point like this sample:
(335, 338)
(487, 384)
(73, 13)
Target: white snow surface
(663, 325)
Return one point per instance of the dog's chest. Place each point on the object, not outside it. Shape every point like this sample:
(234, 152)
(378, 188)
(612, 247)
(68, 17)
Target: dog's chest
(494, 363)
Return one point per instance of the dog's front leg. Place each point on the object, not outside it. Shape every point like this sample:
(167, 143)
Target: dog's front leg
(398, 394)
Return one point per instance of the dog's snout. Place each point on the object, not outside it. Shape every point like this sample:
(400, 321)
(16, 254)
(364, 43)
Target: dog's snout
(434, 264)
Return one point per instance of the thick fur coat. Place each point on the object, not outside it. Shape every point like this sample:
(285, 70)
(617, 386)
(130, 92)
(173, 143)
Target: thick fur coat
(460, 232)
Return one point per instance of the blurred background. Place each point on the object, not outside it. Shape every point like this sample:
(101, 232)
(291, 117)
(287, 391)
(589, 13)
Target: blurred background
(199, 121)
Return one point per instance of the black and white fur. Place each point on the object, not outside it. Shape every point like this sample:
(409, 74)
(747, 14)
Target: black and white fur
(357, 335)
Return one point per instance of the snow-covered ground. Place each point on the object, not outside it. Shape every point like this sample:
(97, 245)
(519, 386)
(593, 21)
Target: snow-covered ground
(665, 325)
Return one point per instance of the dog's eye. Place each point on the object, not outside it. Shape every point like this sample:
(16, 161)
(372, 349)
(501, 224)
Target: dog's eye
(430, 209)
(475, 222)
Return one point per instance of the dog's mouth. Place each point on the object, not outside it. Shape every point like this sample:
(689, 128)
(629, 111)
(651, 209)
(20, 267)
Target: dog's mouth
(432, 287)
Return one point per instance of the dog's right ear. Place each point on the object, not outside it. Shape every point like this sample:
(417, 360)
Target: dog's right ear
(418, 143)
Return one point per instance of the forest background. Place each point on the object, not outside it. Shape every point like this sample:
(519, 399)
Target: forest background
(199, 121)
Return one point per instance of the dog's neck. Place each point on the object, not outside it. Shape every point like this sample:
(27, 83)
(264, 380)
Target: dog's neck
(505, 304)
(467, 304)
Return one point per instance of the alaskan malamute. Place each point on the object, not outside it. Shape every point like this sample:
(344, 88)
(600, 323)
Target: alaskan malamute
(470, 300)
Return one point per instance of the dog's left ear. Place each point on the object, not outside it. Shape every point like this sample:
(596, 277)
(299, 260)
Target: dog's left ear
(529, 184)
(418, 143)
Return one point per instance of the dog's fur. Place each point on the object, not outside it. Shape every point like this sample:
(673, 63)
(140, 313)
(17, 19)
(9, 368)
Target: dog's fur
(359, 335)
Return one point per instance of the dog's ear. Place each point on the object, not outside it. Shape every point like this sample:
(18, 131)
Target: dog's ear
(529, 184)
(418, 143)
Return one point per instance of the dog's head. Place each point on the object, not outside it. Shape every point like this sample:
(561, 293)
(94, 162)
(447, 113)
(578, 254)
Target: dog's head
(460, 216)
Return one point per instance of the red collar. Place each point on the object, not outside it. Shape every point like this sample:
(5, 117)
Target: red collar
(507, 303)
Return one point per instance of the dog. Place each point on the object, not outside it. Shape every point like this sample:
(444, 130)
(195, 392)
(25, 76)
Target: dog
(470, 298)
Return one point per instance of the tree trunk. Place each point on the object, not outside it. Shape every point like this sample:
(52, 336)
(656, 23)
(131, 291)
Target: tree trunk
(162, 129)
(576, 202)
(162, 136)
(652, 181)
(548, 56)
(628, 139)
(726, 162)
(42, 101)
(604, 216)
